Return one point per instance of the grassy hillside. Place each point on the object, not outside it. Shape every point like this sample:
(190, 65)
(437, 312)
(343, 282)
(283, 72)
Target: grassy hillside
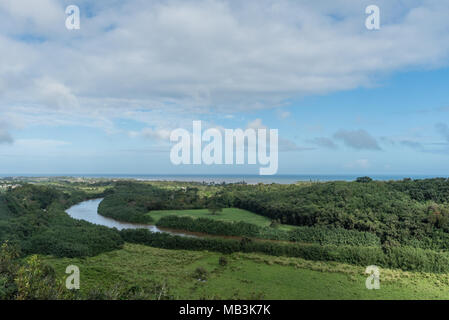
(246, 276)
(350, 225)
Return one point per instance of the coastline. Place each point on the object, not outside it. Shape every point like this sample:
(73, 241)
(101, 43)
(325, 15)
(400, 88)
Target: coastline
(209, 178)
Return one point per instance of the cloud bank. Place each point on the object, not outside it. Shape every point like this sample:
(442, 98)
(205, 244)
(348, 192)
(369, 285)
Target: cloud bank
(192, 57)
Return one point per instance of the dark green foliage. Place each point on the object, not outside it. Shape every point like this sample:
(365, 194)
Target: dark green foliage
(200, 274)
(321, 235)
(408, 258)
(29, 219)
(166, 241)
(209, 226)
(436, 190)
(274, 224)
(113, 207)
(132, 201)
(27, 279)
(222, 261)
(214, 207)
(399, 210)
(405, 258)
(397, 224)
(408, 212)
(66, 237)
(9, 266)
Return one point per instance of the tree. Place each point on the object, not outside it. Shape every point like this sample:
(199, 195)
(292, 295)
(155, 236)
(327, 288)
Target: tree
(9, 265)
(214, 208)
(35, 280)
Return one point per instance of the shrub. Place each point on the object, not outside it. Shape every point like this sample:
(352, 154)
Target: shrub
(200, 274)
(222, 261)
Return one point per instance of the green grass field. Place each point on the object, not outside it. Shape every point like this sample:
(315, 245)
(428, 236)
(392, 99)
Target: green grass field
(228, 214)
(246, 276)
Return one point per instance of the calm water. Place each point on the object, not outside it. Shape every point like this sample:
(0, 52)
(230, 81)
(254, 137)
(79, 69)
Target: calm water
(88, 211)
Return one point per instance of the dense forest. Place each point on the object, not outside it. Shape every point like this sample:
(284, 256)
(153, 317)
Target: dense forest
(33, 218)
(407, 212)
(131, 201)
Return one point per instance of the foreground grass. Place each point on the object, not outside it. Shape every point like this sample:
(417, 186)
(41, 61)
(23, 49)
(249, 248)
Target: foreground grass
(228, 214)
(246, 276)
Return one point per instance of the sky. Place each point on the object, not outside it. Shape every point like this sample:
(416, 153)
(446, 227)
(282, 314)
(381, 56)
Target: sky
(104, 99)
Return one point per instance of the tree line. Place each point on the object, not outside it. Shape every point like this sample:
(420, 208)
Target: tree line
(314, 234)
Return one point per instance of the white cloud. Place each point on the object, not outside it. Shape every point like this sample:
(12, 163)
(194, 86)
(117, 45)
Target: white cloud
(54, 94)
(187, 57)
(32, 16)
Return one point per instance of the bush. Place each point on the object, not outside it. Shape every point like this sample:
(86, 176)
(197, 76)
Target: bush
(222, 261)
(200, 274)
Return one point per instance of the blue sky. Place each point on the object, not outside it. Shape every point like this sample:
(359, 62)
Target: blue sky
(104, 99)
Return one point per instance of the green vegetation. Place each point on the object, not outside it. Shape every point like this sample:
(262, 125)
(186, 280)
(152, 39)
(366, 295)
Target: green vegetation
(131, 201)
(28, 280)
(245, 276)
(405, 258)
(321, 235)
(404, 212)
(309, 240)
(399, 224)
(33, 218)
(227, 214)
(408, 212)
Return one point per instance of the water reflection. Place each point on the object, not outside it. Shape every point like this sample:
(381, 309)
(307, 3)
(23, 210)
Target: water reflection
(88, 211)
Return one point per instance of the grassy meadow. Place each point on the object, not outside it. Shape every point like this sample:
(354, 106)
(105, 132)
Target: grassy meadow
(245, 276)
(227, 214)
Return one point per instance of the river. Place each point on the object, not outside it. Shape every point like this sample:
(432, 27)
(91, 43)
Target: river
(88, 211)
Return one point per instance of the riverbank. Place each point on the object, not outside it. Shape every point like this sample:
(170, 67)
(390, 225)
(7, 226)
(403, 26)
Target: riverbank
(88, 211)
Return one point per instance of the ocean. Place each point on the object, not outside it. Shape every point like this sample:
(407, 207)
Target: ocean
(250, 179)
